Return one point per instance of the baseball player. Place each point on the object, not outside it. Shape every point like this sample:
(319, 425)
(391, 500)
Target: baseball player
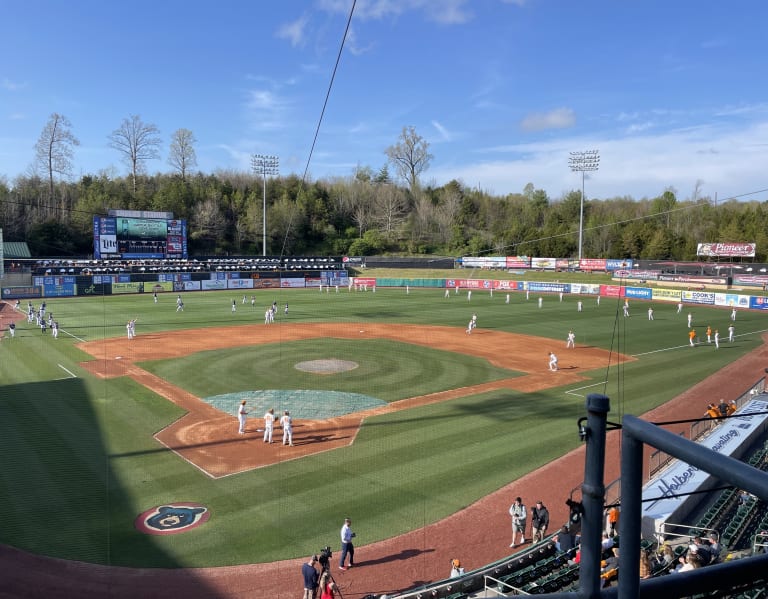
(269, 425)
(242, 415)
(553, 362)
(571, 340)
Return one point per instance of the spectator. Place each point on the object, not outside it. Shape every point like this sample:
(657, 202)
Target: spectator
(689, 561)
(702, 550)
(565, 540)
(667, 555)
(539, 522)
(722, 407)
(310, 576)
(712, 411)
(714, 547)
(607, 543)
(646, 569)
(456, 569)
(612, 520)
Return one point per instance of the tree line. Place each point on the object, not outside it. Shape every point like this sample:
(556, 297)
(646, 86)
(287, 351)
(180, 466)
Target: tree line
(368, 212)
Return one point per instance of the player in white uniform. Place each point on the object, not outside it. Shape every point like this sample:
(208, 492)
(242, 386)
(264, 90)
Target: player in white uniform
(553, 362)
(571, 340)
(269, 425)
(242, 415)
(287, 423)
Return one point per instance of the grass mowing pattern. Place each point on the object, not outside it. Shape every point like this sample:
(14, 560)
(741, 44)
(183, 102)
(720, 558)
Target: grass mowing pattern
(79, 457)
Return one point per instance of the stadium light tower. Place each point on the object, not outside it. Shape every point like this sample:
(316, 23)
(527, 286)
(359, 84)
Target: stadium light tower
(583, 162)
(264, 165)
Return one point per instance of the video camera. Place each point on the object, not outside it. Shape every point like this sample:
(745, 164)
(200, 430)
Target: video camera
(324, 556)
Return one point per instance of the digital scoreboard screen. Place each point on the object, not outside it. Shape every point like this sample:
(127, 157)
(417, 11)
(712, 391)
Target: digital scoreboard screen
(116, 237)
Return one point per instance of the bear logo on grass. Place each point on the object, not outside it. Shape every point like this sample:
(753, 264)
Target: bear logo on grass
(172, 518)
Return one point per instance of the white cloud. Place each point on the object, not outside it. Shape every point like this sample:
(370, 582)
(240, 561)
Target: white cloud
(444, 133)
(294, 32)
(13, 86)
(729, 160)
(447, 12)
(559, 118)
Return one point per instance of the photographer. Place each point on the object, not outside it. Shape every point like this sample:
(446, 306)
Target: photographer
(311, 577)
(346, 545)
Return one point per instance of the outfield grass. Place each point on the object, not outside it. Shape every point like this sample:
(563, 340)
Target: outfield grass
(79, 457)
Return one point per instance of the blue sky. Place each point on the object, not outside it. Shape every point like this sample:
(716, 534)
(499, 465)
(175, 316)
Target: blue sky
(671, 93)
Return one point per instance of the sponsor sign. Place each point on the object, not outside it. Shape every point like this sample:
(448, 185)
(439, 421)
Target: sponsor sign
(265, 283)
(22, 292)
(758, 303)
(108, 244)
(663, 495)
(698, 297)
(353, 260)
(213, 285)
(191, 285)
(750, 280)
(616, 264)
(694, 280)
(240, 284)
(548, 287)
(593, 264)
(370, 282)
(667, 295)
(732, 300)
(585, 289)
(638, 292)
(726, 250)
(134, 287)
(612, 290)
(642, 275)
(518, 262)
(292, 283)
(544, 263)
(158, 287)
(59, 290)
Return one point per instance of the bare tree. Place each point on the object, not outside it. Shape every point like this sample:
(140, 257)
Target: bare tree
(390, 206)
(53, 151)
(410, 156)
(138, 142)
(182, 155)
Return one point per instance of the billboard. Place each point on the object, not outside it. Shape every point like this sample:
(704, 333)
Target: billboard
(726, 250)
(123, 237)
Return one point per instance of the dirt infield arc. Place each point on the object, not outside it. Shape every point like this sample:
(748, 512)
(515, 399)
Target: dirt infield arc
(209, 440)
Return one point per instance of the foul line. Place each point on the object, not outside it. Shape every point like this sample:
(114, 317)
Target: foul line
(571, 391)
(74, 336)
(722, 342)
(74, 376)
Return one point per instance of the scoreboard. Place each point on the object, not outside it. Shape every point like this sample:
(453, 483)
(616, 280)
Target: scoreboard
(119, 237)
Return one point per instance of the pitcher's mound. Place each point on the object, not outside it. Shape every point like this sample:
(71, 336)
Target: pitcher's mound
(326, 366)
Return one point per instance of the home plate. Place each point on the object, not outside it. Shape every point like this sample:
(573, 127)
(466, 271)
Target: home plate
(118, 357)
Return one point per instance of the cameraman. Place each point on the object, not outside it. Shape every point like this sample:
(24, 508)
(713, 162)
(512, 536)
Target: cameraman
(346, 545)
(311, 577)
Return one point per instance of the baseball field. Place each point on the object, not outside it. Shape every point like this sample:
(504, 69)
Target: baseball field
(401, 418)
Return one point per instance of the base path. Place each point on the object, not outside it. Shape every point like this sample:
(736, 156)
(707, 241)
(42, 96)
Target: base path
(208, 438)
(478, 535)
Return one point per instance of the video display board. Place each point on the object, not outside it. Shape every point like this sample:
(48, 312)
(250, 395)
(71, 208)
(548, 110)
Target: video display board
(139, 238)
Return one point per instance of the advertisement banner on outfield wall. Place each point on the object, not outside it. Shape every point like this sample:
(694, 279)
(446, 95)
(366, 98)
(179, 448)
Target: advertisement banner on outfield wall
(616, 264)
(59, 290)
(159, 287)
(266, 283)
(213, 285)
(365, 282)
(123, 287)
(240, 284)
(541, 286)
(751, 280)
(506, 285)
(638, 292)
(592, 264)
(518, 262)
(581, 288)
(191, 285)
(732, 300)
(315, 283)
(292, 283)
(544, 263)
(667, 295)
(611, 290)
(21, 292)
(698, 297)
(758, 302)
